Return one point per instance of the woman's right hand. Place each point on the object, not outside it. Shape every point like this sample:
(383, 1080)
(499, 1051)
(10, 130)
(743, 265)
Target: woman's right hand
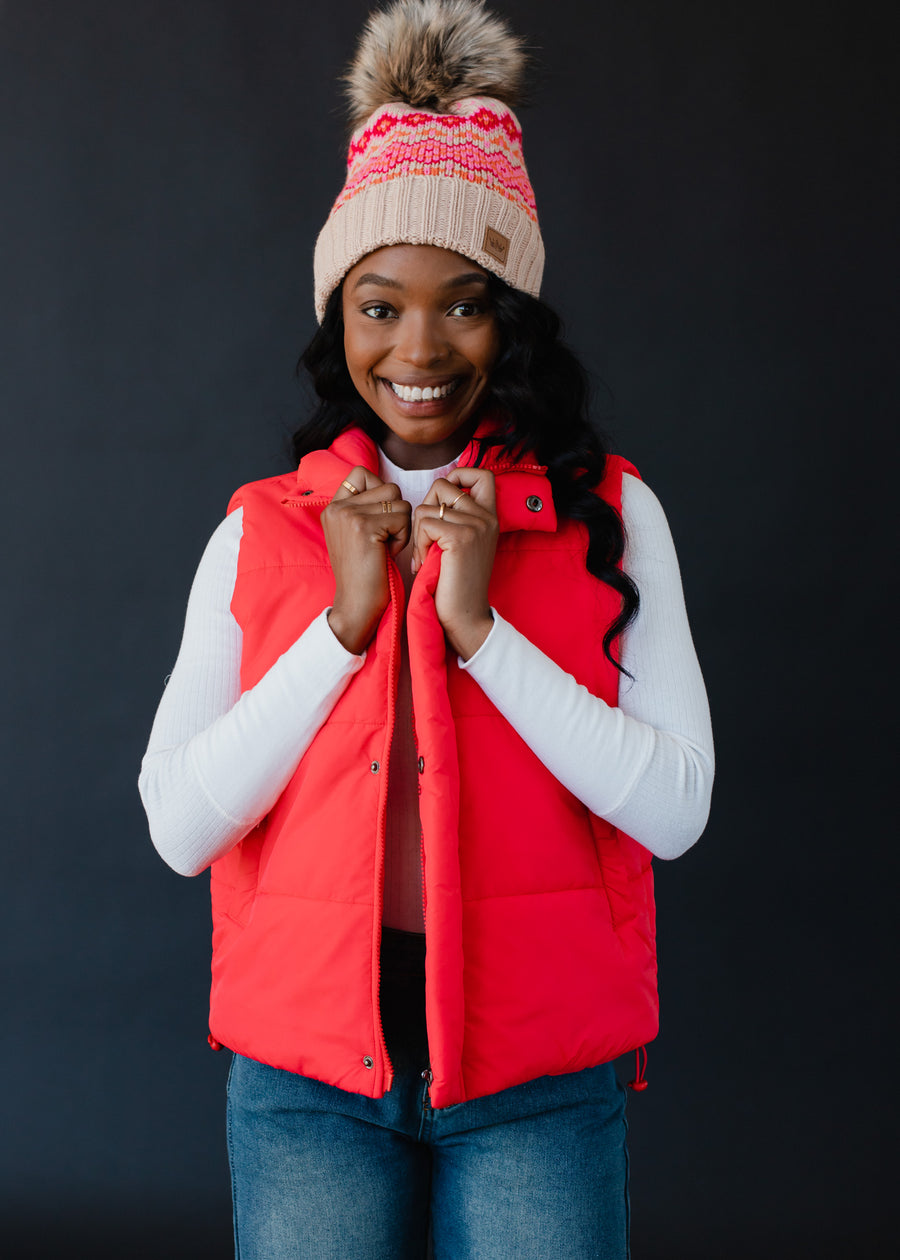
(360, 533)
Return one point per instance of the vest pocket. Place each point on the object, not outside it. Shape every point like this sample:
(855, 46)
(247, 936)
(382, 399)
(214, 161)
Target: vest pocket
(618, 880)
(234, 879)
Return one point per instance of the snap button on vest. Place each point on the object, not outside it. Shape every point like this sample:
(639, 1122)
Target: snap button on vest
(374, 767)
(421, 764)
(533, 503)
(368, 1061)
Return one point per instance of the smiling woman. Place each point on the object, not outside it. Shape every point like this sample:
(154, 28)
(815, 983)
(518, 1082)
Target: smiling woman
(396, 733)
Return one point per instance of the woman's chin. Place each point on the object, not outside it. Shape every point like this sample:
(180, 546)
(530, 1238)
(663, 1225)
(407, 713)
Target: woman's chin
(423, 433)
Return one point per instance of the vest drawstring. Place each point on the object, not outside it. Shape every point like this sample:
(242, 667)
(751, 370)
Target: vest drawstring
(640, 1082)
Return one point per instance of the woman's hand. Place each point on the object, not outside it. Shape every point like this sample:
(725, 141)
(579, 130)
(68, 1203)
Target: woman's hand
(363, 525)
(466, 532)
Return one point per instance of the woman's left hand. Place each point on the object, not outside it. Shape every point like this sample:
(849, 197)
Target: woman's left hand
(466, 533)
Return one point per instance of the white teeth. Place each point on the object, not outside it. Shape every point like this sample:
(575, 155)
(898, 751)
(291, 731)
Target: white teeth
(415, 393)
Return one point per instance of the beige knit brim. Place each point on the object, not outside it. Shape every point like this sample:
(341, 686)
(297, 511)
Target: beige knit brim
(429, 210)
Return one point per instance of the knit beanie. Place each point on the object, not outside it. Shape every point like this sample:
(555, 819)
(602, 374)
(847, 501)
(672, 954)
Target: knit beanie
(435, 156)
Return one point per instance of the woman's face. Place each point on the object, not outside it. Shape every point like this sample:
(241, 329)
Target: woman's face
(420, 339)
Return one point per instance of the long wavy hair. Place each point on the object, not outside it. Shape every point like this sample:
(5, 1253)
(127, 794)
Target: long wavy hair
(538, 391)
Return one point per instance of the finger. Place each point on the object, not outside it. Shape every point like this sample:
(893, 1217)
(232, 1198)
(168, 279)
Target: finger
(441, 490)
(392, 514)
(360, 479)
(401, 536)
(429, 510)
(479, 483)
(476, 483)
(386, 518)
(449, 534)
(431, 524)
(445, 492)
(426, 530)
(456, 495)
(380, 492)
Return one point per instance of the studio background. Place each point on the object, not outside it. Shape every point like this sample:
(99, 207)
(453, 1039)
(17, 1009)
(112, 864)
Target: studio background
(712, 180)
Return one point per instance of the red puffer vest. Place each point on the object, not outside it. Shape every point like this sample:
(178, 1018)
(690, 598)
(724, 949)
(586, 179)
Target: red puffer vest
(539, 915)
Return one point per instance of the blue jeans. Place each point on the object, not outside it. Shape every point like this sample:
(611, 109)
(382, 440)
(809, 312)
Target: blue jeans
(535, 1171)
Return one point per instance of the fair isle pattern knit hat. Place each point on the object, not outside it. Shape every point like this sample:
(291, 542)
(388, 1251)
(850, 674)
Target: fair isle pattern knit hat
(436, 154)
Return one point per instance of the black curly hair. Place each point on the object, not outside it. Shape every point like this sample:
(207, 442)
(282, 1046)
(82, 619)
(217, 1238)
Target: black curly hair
(539, 391)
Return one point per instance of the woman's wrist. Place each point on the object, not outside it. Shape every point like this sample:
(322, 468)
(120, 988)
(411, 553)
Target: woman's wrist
(353, 633)
(467, 638)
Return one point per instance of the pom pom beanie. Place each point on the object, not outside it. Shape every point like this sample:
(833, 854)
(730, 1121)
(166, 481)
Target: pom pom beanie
(435, 157)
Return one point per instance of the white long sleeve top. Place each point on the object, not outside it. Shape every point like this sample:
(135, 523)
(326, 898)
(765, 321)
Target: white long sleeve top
(218, 760)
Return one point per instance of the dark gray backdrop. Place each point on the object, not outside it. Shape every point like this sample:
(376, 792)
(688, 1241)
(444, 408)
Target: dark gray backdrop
(712, 182)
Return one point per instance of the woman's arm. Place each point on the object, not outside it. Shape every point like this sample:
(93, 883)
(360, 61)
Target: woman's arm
(217, 760)
(647, 765)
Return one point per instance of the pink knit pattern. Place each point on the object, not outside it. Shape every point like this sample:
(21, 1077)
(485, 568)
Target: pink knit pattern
(457, 181)
(481, 144)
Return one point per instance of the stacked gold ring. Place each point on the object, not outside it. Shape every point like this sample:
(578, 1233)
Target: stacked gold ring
(443, 508)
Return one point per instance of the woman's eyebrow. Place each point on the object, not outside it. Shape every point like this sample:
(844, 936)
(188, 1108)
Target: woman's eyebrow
(462, 281)
(457, 282)
(384, 281)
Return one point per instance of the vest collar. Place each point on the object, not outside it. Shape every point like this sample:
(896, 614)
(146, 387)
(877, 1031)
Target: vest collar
(524, 497)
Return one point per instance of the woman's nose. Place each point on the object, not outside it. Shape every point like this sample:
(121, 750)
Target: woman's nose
(420, 343)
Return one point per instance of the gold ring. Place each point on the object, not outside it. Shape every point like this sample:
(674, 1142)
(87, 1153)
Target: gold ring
(442, 510)
(348, 485)
(387, 505)
(457, 499)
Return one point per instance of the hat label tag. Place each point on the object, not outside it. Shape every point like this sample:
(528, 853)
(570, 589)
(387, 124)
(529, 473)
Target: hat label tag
(496, 244)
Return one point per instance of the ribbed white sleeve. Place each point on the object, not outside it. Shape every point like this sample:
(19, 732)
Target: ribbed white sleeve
(218, 760)
(646, 766)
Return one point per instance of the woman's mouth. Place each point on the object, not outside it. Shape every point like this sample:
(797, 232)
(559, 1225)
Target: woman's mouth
(423, 393)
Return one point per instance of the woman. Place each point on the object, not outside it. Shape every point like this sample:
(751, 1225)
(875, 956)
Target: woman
(419, 728)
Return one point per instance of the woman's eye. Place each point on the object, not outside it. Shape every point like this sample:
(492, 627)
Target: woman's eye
(466, 309)
(377, 311)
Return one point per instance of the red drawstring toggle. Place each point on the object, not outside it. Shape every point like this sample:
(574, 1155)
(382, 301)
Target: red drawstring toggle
(640, 1081)
(213, 1044)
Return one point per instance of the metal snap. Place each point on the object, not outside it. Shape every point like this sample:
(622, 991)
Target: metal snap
(374, 767)
(533, 503)
(368, 1061)
(421, 764)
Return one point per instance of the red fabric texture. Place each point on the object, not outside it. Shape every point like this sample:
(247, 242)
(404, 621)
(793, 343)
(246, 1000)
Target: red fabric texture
(540, 923)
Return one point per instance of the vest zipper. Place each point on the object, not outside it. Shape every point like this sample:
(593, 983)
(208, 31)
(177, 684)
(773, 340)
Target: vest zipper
(382, 817)
(426, 1075)
(420, 769)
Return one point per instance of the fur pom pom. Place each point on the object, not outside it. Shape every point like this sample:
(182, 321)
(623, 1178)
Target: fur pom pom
(431, 53)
